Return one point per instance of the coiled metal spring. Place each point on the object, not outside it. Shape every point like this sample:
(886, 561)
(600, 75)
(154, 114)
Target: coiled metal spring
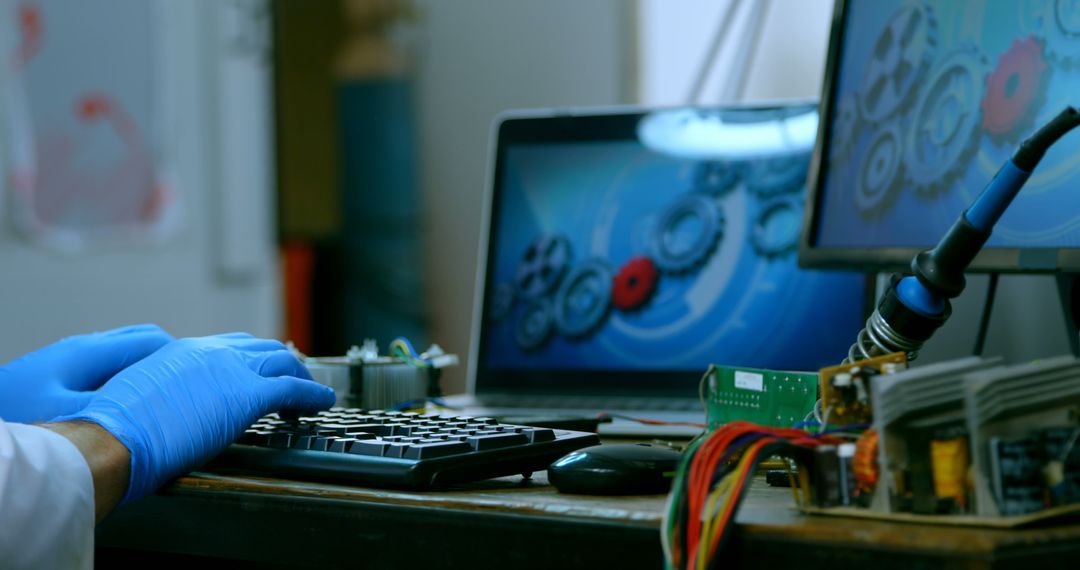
(878, 338)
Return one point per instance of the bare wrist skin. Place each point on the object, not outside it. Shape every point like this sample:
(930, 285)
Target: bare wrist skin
(108, 459)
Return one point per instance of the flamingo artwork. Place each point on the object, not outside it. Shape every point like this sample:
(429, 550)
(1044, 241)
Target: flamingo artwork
(87, 172)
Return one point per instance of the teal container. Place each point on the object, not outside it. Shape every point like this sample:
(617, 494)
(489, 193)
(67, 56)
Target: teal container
(381, 211)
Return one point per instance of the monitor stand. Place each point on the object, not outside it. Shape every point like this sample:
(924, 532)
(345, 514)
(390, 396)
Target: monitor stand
(1069, 293)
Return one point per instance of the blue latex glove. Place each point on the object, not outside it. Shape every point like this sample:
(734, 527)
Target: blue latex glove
(184, 404)
(59, 379)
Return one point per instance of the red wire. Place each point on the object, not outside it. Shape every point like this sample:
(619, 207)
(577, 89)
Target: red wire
(700, 478)
(705, 463)
(737, 491)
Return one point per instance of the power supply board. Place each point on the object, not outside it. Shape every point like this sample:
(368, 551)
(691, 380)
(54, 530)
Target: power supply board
(766, 397)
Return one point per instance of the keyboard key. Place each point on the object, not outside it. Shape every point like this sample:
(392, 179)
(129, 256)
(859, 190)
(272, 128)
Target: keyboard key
(281, 440)
(374, 429)
(439, 449)
(406, 430)
(537, 435)
(341, 444)
(396, 449)
(368, 447)
(303, 441)
(321, 443)
(255, 437)
(399, 429)
(496, 441)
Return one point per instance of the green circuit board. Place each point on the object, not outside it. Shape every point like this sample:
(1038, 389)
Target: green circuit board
(767, 397)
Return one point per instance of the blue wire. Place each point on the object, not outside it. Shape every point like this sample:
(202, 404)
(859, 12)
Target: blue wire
(412, 351)
(841, 429)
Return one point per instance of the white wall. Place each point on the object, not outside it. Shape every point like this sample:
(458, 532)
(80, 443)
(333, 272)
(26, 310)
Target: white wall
(480, 57)
(675, 38)
(179, 285)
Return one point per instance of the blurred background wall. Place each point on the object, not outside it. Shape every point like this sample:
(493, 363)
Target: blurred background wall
(216, 270)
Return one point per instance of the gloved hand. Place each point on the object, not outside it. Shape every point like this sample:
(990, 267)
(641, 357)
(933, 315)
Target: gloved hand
(185, 403)
(59, 378)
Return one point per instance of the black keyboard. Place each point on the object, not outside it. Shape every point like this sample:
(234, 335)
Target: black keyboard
(395, 449)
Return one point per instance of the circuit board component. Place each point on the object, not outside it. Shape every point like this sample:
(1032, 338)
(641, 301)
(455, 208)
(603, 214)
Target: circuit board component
(766, 397)
(845, 389)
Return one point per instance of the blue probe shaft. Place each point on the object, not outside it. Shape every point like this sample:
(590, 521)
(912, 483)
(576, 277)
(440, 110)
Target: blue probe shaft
(983, 214)
(996, 197)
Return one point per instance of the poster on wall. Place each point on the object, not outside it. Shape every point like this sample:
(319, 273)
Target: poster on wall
(86, 123)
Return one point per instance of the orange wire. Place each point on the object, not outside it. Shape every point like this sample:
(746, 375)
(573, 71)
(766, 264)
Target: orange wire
(704, 463)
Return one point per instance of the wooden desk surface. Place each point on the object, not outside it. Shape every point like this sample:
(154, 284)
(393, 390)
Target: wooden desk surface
(509, 522)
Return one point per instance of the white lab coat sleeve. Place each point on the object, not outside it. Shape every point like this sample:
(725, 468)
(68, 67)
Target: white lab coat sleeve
(46, 500)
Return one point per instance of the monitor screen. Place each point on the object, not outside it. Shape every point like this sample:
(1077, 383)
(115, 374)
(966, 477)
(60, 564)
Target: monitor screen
(924, 101)
(635, 249)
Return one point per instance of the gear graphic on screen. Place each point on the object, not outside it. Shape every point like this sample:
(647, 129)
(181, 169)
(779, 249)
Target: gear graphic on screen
(845, 127)
(880, 172)
(899, 60)
(686, 233)
(634, 284)
(771, 176)
(715, 177)
(1058, 24)
(1014, 89)
(583, 299)
(533, 328)
(944, 127)
(502, 301)
(776, 229)
(542, 266)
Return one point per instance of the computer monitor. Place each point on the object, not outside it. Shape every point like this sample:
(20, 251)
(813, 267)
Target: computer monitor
(628, 249)
(923, 102)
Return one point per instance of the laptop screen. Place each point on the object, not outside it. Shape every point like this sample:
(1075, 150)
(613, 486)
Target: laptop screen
(626, 252)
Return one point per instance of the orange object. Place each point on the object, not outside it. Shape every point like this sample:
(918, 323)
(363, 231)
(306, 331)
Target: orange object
(865, 462)
(949, 460)
(298, 267)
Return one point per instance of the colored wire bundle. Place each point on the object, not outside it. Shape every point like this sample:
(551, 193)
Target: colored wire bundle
(712, 480)
(403, 349)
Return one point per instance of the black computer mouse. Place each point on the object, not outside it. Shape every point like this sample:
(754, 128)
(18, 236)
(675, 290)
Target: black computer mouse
(615, 469)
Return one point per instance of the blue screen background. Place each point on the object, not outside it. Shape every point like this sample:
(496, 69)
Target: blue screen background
(735, 308)
(912, 213)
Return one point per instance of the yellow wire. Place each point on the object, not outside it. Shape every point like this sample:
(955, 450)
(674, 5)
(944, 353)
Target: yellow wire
(740, 472)
(791, 481)
(722, 492)
(404, 353)
(804, 484)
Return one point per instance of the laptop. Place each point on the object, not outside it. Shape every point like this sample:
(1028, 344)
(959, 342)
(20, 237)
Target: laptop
(626, 250)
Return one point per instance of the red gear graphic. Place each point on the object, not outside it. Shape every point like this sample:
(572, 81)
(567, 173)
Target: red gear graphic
(1013, 87)
(634, 284)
